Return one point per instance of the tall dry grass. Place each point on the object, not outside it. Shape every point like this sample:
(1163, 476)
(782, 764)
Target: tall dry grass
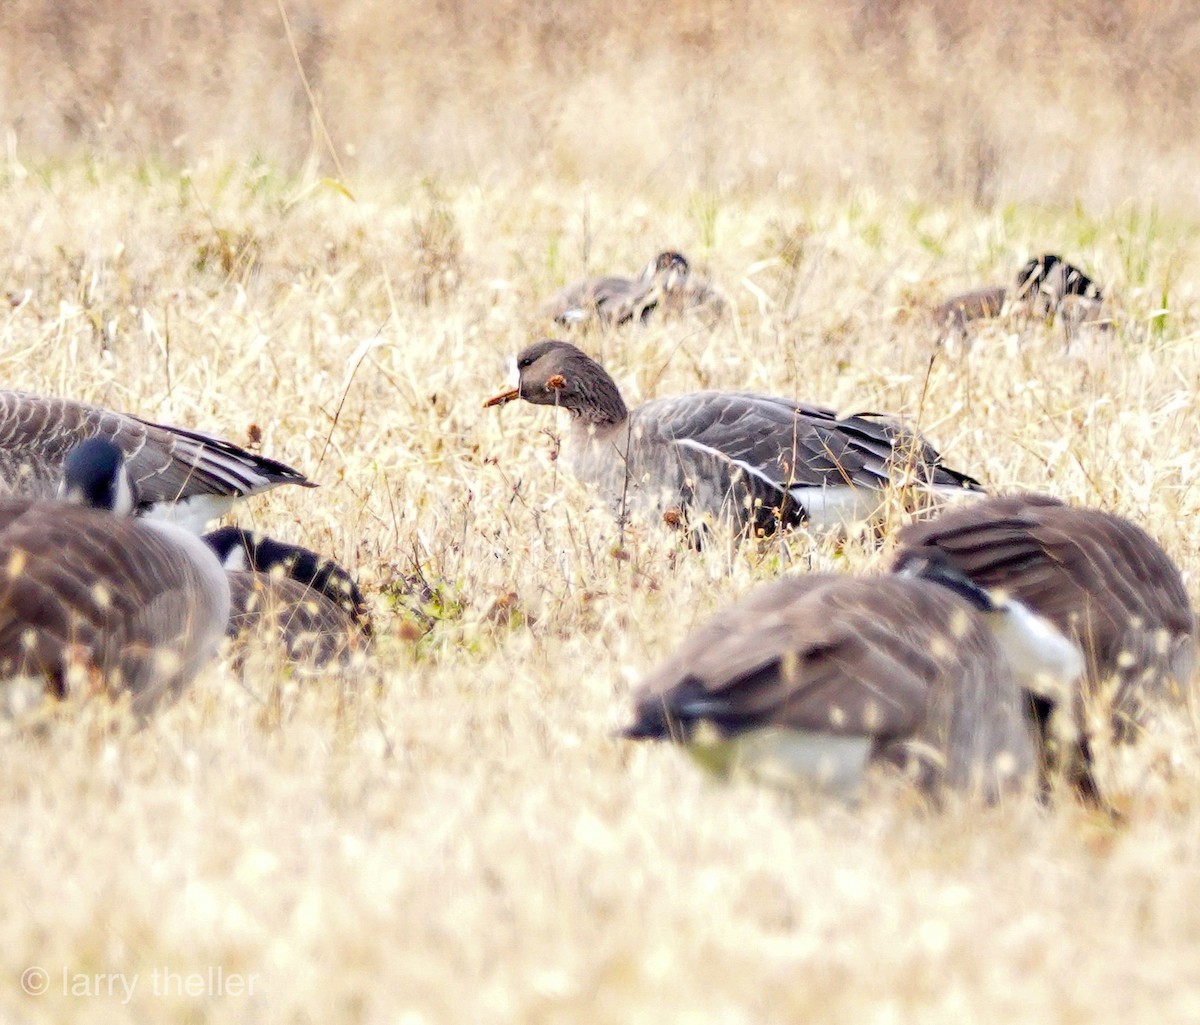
(452, 835)
(996, 103)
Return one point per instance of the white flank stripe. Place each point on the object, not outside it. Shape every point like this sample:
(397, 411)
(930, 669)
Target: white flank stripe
(836, 505)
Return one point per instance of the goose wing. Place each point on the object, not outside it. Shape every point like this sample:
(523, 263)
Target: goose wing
(172, 463)
(794, 654)
(977, 304)
(612, 299)
(1092, 574)
(166, 463)
(785, 444)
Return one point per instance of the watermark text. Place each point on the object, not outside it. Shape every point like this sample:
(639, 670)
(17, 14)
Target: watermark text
(208, 981)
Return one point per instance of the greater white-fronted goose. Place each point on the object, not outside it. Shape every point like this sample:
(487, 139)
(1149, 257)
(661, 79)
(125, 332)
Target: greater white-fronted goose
(1103, 582)
(93, 600)
(288, 595)
(618, 300)
(751, 460)
(815, 676)
(178, 474)
(1046, 286)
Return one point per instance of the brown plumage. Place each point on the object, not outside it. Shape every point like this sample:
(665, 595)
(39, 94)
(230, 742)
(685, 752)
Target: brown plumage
(271, 612)
(1101, 580)
(1046, 286)
(92, 601)
(288, 598)
(978, 304)
(837, 671)
(750, 460)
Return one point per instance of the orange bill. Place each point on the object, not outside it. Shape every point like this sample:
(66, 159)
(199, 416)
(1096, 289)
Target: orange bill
(503, 397)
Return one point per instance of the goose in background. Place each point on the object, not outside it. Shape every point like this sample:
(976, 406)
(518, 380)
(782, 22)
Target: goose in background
(93, 600)
(665, 281)
(750, 460)
(815, 676)
(1045, 287)
(1106, 586)
(287, 596)
(182, 475)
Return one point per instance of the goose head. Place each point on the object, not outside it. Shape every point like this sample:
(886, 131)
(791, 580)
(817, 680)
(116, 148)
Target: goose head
(670, 269)
(554, 373)
(1047, 279)
(95, 474)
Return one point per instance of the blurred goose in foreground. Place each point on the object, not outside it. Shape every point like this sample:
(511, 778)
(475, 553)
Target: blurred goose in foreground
(618, 300)
(750, 460)
(178, 474)
(92, 599)
(815, 676)
(1046, 286)
(1107, 587)
(308, 604)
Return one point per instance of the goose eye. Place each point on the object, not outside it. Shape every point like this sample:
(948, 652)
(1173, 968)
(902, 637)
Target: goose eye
(526, 362)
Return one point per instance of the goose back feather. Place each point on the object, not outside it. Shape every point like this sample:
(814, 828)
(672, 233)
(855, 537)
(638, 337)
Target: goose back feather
(903, 665)
(288, 596)
(1100, 579)
(270, 612)
(612, 299)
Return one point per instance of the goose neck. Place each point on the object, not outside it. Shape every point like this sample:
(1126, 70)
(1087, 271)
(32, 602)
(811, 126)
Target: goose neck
(598, 401)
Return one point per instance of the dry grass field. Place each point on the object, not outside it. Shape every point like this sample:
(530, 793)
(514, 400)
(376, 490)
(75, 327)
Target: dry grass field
(451, 834)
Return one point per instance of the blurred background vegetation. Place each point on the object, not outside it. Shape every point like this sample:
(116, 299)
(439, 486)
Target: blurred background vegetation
(986, 102)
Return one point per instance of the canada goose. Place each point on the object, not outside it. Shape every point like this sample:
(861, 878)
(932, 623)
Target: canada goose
(179, 474)
(1103, 582)
(618, 300)
(310, 604)
(92, 599)
(1044, 287)
(815, 676)
(752, 460)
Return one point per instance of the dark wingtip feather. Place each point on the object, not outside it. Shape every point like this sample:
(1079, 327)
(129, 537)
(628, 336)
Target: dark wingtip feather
(272, 471)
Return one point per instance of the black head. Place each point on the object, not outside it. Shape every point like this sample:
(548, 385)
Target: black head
(246, 550)
(95, 474)
(1051, 273)
(1031, 276)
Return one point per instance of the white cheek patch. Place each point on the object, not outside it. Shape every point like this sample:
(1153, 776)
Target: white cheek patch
(123, 502)
(236, 560)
